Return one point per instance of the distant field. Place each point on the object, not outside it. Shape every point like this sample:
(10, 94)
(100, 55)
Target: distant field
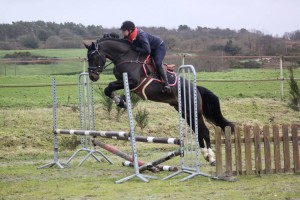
(67, 67)
(41, 96)
(58, 53)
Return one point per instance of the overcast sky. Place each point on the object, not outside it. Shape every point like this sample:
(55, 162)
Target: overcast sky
(269, 16)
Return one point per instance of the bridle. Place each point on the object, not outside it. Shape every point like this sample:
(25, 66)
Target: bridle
(97, 69)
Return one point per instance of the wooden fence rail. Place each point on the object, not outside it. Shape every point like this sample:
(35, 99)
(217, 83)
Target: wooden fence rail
(257, 151)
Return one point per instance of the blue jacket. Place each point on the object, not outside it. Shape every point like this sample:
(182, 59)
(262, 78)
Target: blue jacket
(145, 43)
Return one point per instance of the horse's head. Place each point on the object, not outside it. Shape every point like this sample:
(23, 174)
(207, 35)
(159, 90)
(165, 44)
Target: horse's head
(96, 60)
(109, 47)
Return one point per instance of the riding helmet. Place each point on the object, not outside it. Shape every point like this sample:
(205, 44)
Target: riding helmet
(127, 25)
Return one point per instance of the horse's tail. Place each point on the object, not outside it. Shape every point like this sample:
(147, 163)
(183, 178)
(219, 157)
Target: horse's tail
(212, 110)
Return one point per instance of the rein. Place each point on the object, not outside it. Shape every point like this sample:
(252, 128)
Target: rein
(105, 66)
(130, 61)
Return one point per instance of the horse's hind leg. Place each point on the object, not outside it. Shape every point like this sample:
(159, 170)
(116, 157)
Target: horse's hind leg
(203, 135)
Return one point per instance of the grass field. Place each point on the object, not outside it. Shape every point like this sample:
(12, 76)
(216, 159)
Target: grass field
(58, 53)
(41, 96)
(38, 73)
(26, 138)
(26, 143)
(67, 67)
(96, 181)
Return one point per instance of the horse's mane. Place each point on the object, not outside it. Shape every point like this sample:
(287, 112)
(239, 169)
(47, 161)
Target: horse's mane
(122, 41)
(113, 39)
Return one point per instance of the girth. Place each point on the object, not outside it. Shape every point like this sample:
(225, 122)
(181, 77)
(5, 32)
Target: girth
(140, 89)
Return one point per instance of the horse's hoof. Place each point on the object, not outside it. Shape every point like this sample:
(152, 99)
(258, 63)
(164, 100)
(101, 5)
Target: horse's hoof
(207, 158)
(213, 163)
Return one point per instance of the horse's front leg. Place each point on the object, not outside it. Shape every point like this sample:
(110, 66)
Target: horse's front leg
(118, 85)
(110, 92)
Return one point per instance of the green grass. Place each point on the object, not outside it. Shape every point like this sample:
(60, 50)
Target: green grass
(246, 89)
(41, 69)
(66, 67)
(31, 127)
(58, 53)
(41, 96)
(96, 181)
(26, 143)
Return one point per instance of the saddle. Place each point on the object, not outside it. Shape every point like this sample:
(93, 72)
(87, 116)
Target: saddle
(150, 74)
(152, 68)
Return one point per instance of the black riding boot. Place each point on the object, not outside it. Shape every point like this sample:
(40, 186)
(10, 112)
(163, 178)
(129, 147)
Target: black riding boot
(165, 88)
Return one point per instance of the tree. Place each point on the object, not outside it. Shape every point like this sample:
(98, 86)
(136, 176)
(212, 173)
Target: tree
(170, 42)
(29, 41)
(295, 35)
(75, 42)
(271, 46)
(294, 91)
(231, 49)
(183, 28)
(53, 42)
(95, 31)
(216, 47)
(287, 36)
(43, 35)
(243, 31)
(66, 34)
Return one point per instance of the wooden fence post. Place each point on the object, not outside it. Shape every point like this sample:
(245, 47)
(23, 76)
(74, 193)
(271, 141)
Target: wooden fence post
(228, 152)
(268, 160)
(295, 139)
(238, 151)
(258, 164)
(286, 148)
(276, 149)
(218, 145)
(248, 150)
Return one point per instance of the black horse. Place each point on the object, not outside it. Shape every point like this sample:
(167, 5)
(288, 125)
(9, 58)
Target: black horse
(148, 87)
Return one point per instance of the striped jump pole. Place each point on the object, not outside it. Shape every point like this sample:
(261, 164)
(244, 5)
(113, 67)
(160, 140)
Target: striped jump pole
(189, 142)
(118, 135)
(121, 154)
(157, 162)
(149, 165)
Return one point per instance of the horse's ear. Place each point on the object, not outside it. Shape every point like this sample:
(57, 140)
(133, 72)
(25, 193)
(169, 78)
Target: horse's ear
(86, 45)
(93, 45)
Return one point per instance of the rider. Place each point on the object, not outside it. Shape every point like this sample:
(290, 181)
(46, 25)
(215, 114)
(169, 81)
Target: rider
(146, 44)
